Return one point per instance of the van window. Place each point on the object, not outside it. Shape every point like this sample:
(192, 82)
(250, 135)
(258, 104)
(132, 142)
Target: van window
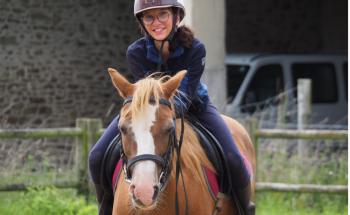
(235, 77)
(267, 82)
(345, 71)
(322, 75)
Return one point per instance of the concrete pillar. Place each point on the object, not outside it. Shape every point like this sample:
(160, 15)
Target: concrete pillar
(207, 19)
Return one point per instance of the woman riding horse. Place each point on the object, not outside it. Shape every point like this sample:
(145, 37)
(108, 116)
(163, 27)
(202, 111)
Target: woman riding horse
(168, 47)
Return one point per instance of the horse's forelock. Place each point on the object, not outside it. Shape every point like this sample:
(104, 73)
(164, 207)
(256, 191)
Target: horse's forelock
(145, 90)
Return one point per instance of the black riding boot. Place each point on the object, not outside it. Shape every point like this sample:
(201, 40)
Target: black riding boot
(244, 195)
(104, 200)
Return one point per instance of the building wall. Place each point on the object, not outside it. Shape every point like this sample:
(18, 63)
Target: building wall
(286, 26)
(54, 56)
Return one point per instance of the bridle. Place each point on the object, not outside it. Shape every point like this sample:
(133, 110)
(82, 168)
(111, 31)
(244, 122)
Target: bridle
(165, 160)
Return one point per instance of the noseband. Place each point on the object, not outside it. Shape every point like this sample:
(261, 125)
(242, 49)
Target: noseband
(163, 161)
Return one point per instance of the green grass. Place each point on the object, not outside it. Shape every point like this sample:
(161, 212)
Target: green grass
(47, 201)
(34, 166)
(272, 203)
(322, 165)
(51, 201)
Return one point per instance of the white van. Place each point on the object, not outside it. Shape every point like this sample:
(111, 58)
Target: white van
(253, 79)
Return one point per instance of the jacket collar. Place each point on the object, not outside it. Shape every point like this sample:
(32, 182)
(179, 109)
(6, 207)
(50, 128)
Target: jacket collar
(153, 54)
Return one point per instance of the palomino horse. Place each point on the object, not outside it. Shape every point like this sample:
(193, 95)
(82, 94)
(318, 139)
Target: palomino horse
(149, 180)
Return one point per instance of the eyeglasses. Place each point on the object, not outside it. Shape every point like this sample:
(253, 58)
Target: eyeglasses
(162, 17)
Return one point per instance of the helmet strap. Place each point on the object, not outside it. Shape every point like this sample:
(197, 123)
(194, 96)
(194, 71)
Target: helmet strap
(173, 29)
(160, 61)
(169, 39)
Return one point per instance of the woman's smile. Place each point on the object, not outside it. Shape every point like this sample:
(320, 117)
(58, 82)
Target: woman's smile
(159, 31)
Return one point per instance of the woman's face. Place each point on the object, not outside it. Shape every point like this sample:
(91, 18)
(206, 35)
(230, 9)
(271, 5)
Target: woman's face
(158, 22)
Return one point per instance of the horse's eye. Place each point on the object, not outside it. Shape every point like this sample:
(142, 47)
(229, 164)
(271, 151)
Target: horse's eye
(169, 130)
(123, 129)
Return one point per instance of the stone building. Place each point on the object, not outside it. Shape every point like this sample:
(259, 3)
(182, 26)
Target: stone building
(54, 54)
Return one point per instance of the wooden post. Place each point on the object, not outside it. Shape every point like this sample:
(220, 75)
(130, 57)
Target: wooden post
(302, 188)
(304, 134)
(304, 111)
(281, 110)
(252, 127)
(90, 128)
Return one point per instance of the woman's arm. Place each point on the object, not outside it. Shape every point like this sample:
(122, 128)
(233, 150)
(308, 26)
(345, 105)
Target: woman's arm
(191, 81)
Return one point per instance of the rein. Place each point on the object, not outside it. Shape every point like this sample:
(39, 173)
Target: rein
(178, 167)
(165, 160)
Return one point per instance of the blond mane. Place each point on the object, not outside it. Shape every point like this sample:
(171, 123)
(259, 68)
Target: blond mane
(192, 155)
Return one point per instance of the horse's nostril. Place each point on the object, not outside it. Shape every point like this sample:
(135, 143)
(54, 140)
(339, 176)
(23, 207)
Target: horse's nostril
(156, 191)
(131, 189)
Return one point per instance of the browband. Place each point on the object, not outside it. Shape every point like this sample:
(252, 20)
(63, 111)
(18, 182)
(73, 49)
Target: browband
(162, 101)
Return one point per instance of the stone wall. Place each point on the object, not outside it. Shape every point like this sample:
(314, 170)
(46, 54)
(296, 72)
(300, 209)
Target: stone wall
(54, 56)
(286, 26)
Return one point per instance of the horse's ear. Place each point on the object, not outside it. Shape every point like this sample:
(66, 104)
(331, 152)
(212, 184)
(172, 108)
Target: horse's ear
(124, 87)
(170, 86)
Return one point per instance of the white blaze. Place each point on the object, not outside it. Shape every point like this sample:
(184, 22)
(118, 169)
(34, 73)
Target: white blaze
(144, 139)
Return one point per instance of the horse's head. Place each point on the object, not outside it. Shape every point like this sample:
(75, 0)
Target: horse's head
(147, 129)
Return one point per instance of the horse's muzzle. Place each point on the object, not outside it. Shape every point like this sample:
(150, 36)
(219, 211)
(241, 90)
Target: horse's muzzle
(142, 201)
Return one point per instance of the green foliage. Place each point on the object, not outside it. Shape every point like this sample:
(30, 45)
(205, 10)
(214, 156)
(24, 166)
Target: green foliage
(48, 201)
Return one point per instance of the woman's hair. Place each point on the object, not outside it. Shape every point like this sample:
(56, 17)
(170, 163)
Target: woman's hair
(184, 36)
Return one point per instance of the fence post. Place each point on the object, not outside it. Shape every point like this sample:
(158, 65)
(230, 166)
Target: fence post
(90, 129)
(281, 110)
(304, 111)
(252, 126)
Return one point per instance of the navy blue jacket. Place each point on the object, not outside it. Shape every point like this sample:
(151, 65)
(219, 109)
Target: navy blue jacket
(143, 59)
